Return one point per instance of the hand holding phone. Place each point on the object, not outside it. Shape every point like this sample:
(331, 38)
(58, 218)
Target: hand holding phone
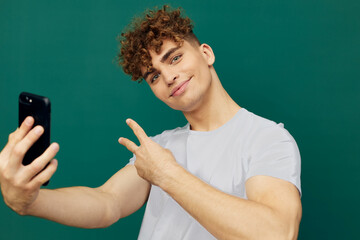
(20, 184)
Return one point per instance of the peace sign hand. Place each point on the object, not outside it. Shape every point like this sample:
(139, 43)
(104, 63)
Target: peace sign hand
(153, 162)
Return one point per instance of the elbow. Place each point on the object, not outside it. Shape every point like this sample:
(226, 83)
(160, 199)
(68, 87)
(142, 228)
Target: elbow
(111, 212)
(286, 231)
(105, 225)
(275, 232)
(278, 234)
(109, 220)
(291, 226)
(105, 221)
(290, 232)
(293, 231)
(111, 216)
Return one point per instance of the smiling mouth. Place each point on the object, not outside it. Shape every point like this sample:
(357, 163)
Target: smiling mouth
(178, 90)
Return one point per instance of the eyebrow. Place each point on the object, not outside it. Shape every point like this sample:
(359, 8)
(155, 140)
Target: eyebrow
(147, 74)
(163, 59)
(168, 53)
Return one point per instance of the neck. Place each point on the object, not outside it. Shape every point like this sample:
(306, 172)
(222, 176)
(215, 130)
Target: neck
(215, 109)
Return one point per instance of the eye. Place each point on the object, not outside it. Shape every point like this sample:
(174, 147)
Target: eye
(175, 58)
(154, 77)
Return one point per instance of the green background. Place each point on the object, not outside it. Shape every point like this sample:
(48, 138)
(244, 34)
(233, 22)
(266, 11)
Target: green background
(296, 62)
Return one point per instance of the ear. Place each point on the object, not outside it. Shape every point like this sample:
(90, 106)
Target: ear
(207, 53)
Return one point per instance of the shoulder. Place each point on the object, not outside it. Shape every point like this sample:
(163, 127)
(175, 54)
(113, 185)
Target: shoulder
(263, 132)
(167, 135)
(268, 140)
(273, 152)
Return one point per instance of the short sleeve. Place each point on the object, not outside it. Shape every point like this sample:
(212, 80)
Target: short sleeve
(276, 154)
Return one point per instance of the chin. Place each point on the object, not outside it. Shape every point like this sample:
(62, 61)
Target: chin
(189, 105)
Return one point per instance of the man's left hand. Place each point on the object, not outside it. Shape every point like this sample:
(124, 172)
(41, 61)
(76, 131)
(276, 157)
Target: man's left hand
(153, 162)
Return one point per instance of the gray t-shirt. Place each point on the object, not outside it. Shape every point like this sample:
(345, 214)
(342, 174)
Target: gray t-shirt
(247, 145)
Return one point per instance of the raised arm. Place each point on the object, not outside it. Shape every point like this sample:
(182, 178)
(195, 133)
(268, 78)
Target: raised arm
(121, 195)
(84, 207)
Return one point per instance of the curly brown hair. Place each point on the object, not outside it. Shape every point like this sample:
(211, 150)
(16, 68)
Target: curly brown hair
(147, 33)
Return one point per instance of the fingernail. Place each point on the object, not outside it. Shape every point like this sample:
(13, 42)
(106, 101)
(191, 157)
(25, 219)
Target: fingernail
(55, 146)
(127, 121)
(120, 139)
(38, 130)
(29, 121)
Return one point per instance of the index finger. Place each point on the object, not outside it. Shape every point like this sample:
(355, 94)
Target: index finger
(24, 145)
(138, 131)
(19, 133)
(24, 128)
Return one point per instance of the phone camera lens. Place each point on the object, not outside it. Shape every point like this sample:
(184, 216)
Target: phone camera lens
(28, 99)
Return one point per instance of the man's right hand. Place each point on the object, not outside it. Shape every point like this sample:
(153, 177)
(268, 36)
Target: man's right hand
(20, 184)
(124, 193)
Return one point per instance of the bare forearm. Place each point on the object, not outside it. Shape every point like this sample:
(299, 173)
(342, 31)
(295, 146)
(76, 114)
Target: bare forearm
(76, 206)
(223, 215)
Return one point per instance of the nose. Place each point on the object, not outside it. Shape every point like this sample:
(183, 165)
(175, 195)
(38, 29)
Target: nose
(169, 76)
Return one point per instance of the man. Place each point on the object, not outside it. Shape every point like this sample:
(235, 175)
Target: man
(227, 174)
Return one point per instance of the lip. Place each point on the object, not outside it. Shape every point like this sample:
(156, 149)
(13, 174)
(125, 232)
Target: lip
(178, 87)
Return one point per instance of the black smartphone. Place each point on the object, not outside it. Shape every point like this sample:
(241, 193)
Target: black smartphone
(39, 108)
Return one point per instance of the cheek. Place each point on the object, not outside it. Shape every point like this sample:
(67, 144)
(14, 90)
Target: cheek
(196, 66)
(191, 64)
(159, 92)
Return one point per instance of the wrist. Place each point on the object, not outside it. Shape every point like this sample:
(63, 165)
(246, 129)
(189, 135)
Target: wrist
(171, 176)
(31, 208)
